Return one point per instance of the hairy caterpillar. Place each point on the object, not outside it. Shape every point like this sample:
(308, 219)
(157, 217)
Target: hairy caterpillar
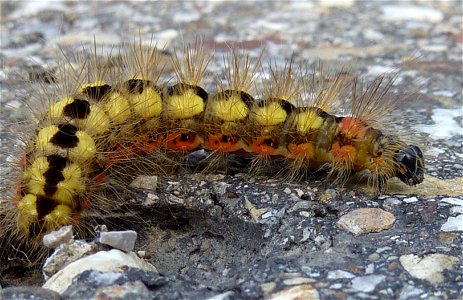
(115, 114)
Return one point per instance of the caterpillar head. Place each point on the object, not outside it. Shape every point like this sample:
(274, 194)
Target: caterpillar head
(410, 165)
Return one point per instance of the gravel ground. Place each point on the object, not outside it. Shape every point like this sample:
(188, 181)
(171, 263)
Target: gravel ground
(235, 237)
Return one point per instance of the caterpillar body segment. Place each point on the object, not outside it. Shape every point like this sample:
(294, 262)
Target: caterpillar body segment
(126, 116)
(185, 102)
(227, 111)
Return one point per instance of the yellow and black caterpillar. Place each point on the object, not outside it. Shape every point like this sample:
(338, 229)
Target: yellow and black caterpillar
(109, 116)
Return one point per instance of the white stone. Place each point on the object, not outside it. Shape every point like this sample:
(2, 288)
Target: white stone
(456, 210)
(103, 261)
(337, 3)
(222, 296)
(435, 48)
(267, 215)
(372, 34)
(377, 70)
(186, 16)
(411, 13)
(410, 200)
(368, 283)
(370, 269)
(453, 224)
(298, 281)
(409, 291)
(15, 104)
(339, 274)
(454, 201)
(336, 286)
(429, 267)
(445, 126)
(87, 38)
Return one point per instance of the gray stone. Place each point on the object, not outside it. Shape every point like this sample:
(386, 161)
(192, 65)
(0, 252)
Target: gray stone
(409, 291)
(123, 240)
(58, 237)
(366, 220)
(28, 292)
(145, 182)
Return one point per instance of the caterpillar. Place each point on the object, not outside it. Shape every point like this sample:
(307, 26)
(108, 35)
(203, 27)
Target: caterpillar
(109, 114)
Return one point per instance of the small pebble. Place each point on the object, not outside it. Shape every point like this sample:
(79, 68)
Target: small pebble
(366, 220)
(28, 292)
(453, 224)
(454, 201)
(456, 210)
(429, 267)
(392, 201)
(367, 283)
(145, 182)
(298, 281)
(66, 254)
(373, 257)
(411, 13)
(58, 237)
(304, 291)
(123, 240)
(339, 274)
(410, 200)
(410, 292)
(222, 296)
(267, 215)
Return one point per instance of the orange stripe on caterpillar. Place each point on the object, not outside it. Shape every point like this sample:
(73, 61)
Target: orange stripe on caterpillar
(183, 141)
(222, 143)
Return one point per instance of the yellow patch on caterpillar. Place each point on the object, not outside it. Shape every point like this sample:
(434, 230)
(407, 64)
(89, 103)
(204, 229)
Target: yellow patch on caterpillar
(72, 183)
(27, 209)
(148, 104)
(308, 121)
(231, 109)
(270, 114)
(184, 106)
(78, 146)
(29, 216)
(60, 215)
(118, 108)
(80, 113)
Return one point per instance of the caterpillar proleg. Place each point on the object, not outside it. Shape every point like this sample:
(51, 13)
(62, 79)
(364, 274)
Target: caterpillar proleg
(125, 113)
